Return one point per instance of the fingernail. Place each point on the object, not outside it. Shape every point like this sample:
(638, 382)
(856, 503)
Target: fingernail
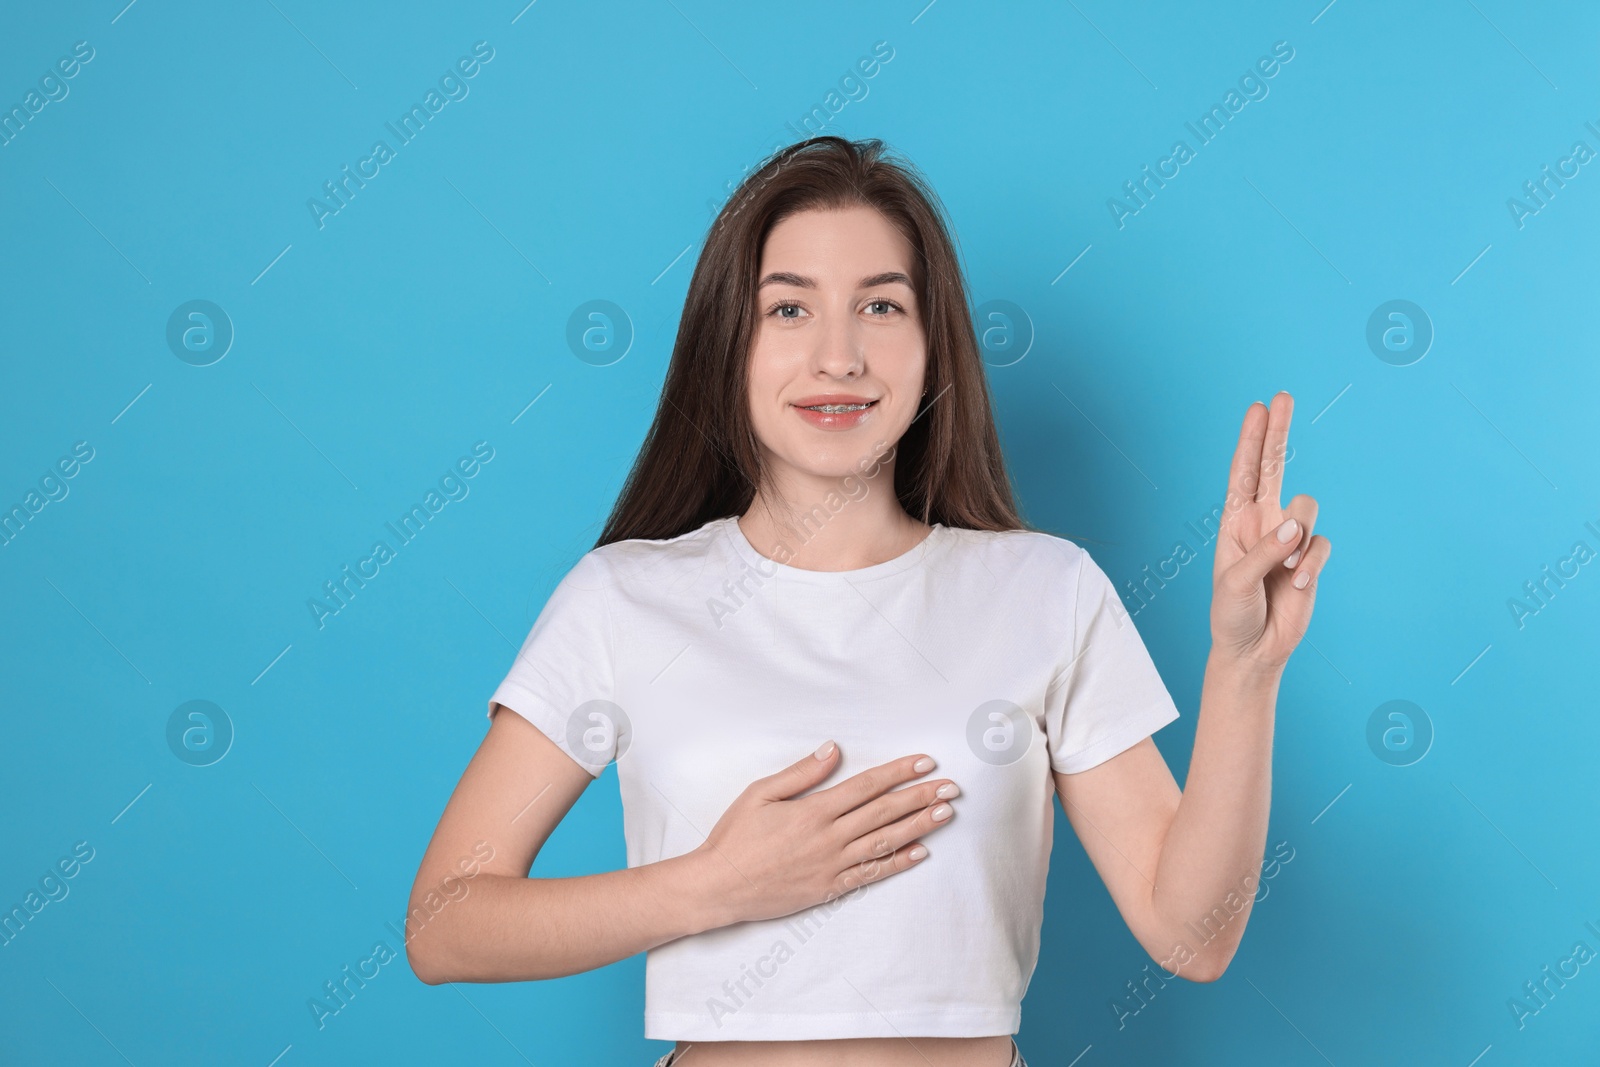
(1286, 532)
(941, 813)
(1301, 579)
(1294, 558)
(948, 790)
(923, 765)
(826, 750)
(917, 853)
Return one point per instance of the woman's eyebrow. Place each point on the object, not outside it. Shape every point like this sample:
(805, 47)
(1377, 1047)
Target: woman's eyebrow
(800, 281)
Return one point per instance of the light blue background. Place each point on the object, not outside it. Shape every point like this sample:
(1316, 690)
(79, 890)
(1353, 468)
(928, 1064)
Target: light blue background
(586, 163)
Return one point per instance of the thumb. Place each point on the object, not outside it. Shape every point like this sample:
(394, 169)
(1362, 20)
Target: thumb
(1275, 546)
(799, 776)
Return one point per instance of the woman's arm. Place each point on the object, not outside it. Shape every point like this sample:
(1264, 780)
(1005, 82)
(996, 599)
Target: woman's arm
(500, 925)
(1177, 862)
(1184, 866)
(476, 916)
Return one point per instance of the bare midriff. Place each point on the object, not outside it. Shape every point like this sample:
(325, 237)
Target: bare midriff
(849, 1052)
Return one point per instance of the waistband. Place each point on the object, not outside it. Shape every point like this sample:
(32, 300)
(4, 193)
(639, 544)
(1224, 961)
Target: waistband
(1016, 1057)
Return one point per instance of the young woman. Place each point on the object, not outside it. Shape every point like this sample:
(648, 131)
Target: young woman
(817, 546)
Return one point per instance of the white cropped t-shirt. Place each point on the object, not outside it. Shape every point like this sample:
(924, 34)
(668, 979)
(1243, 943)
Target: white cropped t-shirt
(707, 665)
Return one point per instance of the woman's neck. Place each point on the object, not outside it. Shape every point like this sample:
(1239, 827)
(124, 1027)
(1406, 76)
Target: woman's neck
(851, 534)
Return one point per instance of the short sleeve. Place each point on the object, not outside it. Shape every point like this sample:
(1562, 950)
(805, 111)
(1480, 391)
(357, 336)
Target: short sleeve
(562, 679)
(1108, 696)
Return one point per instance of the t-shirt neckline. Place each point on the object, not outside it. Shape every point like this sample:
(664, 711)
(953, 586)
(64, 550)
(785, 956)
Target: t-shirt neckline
(770, 568)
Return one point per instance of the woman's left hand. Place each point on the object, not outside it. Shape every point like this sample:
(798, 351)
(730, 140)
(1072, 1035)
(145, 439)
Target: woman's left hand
(1260, 608)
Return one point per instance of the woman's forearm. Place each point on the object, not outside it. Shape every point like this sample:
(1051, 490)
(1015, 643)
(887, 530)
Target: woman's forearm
(1210, 863)
(505, 928)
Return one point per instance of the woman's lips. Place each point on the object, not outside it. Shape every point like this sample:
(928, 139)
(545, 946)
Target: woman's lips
(837, 420)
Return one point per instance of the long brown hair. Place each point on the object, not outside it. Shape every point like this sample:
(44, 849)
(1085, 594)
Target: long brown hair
(701, 459)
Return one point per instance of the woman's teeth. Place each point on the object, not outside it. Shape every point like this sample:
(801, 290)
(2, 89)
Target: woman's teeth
(834, 409)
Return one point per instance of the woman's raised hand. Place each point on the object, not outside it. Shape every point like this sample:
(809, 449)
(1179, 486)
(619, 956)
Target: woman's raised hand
(1264, 582)
(772, 854)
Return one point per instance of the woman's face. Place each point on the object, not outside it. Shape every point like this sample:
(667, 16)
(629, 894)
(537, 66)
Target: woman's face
(837, 323)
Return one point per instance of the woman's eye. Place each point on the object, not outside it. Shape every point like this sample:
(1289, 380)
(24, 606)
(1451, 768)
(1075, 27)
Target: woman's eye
(878, 308)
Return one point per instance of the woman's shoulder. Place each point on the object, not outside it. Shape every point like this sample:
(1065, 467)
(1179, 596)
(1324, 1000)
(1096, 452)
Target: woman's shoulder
(1026, 549)
(645, 556)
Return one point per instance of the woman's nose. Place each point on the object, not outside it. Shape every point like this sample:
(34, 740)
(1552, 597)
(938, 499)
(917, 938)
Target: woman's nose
(839, 347)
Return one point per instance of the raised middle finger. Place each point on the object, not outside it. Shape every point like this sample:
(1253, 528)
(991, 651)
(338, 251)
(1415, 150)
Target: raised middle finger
(1273, 449)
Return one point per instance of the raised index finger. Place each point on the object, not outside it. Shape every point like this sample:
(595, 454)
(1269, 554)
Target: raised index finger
(1245, 475)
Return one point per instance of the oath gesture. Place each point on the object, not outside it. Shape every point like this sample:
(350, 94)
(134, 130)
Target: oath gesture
(1265, 578)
